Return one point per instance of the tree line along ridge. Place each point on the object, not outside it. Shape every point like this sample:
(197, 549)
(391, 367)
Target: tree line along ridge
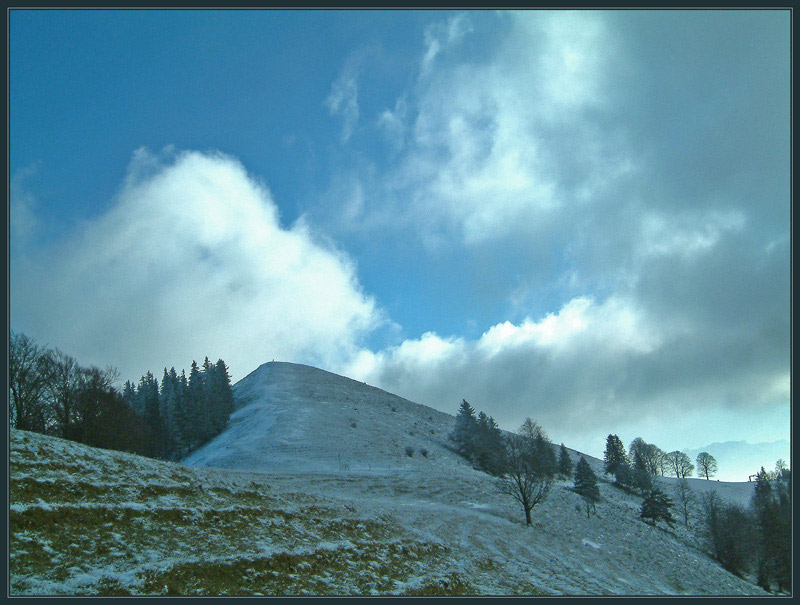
(51, 393)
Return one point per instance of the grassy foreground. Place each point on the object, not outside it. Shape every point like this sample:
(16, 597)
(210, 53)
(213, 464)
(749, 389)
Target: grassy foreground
(89, 521)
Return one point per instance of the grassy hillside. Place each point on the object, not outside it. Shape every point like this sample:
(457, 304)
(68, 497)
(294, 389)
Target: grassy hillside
(89, 521)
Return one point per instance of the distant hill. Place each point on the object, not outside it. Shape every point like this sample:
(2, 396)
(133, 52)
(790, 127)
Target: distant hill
(739, 459)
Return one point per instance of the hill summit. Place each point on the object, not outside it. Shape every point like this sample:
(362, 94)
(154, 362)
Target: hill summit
(297, 417)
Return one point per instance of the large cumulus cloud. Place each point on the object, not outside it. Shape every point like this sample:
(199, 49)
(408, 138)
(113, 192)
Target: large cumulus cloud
(191, 259)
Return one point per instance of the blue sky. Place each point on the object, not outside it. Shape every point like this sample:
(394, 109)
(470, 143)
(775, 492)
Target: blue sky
(581, 217)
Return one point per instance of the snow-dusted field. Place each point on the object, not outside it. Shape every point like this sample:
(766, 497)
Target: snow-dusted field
(310, 491)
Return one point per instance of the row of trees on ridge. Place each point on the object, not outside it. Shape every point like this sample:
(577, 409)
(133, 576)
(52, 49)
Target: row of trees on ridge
(757, 539)
(740, 539)
(184, 412)
(524, 462)
(51, 393)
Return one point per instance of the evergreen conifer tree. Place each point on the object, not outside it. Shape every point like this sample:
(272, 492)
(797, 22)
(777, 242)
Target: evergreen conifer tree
(585, 484)
(545, 455)
(149, 408)
(772, 507)
(463, 433)
(129, 394)
(497, 456)
(183, 415)
(564, 462)
(487, 445)
(656, 506)
(197, 411)
(616, 460)
(481, 447)
(168, 409)
(224, 381)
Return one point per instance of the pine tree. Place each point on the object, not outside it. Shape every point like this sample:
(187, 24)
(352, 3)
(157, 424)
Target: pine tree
(148, 407)
(772, 507)
(129, 393)
(585, 484)
(616, 461)
(224, 382)
(762, 507)
(564, 463)
(463, 433)
(489, 446)
(173, 402)
(168, 408)
(482, 444)
(211, 403)
(183, 415)
(656, 506)
(782, 537)
(197, 411)
(545, 455)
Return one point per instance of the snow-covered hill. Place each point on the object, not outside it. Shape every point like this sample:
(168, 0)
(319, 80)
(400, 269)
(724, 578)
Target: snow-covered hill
(296, 417)
(312, 492)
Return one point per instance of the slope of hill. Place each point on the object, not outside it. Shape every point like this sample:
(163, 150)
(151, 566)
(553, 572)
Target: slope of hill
(324, 514)
(296, 417)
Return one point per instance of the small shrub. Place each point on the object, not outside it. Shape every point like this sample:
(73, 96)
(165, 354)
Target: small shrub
(353, 424)
(424, 452)
(409, 451)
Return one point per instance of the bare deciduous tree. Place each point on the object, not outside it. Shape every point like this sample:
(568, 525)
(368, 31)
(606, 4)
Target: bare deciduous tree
(62, 391)
(532, 430)
(525, 477)
(29, 370)
(729, 532)
(645, 455)
(706, 465)
(684, 496)
(679, 464)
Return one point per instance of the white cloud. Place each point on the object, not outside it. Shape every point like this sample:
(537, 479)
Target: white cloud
(191, 260)
(549, 365)
(574, 58)
(479, 158)
(686, 235)
(614, 325)
(23, 220)
(393, 123)
(440, 36)
(590, 369)
(343, 99)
